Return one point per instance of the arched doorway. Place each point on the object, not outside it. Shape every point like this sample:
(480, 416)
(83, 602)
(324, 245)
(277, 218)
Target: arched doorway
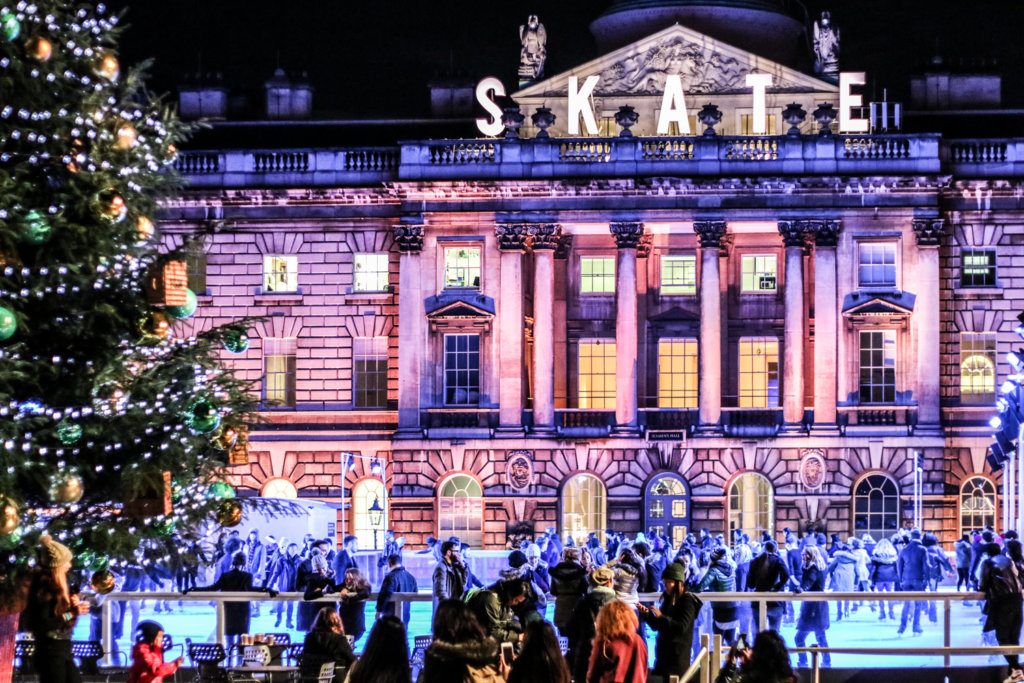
(751, 506)
(583, 508)
(876, 506)
(368, 514)
(977, 504)
(667, 507)
(460, 507)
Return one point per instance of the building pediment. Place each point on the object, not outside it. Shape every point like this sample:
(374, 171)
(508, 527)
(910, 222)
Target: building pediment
(451, 310)
(675, 315)
(705, 66)
(874, 307)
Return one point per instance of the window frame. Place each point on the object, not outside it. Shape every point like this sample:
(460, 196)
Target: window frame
(602, 397)
(992, 268)
(590, 518)
(750, 398)
(872, 368)
(738, 516)
(285, 395)
(677, 289)
(376, 350)
(753, 258)
(362, 527)
(963, 494)
(470, 490)
(603, 276)
(196, 268)
(988, 339)
(687, 397)
(877, 482)
(289, 276)
(467, 269)
(445, 369)
(381, 276)
(861, 265)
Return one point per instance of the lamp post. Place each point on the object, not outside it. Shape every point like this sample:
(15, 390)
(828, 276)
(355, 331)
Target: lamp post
(376, 515)
(377, 469)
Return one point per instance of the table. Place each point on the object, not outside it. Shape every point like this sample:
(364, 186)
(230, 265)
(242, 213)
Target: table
(277, 672)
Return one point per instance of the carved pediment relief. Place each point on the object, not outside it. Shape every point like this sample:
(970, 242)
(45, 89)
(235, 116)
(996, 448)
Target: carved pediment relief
(459, 311)
(862, 308)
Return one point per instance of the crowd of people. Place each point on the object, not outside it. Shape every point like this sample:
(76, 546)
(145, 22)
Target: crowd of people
(496, 630)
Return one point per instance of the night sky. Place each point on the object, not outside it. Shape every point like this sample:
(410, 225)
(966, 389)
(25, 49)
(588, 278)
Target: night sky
(374, 58)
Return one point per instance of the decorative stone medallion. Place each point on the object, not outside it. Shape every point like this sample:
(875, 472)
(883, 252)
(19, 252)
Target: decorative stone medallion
(519, 470)
(812, 469)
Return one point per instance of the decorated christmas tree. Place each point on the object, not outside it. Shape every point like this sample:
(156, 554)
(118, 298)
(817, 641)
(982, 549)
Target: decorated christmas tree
(116, 424)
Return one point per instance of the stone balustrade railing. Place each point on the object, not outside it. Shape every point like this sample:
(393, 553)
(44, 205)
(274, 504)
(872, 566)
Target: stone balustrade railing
(695, 156)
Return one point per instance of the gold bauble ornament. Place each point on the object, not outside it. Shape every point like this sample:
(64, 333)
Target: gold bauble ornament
(110, 205)
(39, 48)
(155, 328)
(102, 581)
(66, 489)
(126, 137)
(229, 513)
(106, 66)
(146, 228)
(225, 439)
(10, 518)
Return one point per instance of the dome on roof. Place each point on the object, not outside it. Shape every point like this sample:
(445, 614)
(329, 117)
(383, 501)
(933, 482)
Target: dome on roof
(775, 29)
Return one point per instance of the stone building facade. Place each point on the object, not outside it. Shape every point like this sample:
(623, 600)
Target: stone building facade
(638, 332)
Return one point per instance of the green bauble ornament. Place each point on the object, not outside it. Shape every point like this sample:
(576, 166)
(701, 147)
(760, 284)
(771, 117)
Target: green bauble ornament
(9, 26)
(236, 341)
(203, 417)
(69, 432)
(35, 227)
(165, 528)
(186, 311)
(12, 540)
(220, 489)
(177, 491)
(83, 559)
(229, 513)
(8, 323)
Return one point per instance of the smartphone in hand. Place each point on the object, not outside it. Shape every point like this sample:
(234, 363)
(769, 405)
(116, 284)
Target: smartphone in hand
(507, 654)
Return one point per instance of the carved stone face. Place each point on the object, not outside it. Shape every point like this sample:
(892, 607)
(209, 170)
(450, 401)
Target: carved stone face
(519, 472)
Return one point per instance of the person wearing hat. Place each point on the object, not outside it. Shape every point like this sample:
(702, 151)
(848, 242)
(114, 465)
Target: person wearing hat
(581, 627)
(51, 613)
(673, 622)
(148, 664)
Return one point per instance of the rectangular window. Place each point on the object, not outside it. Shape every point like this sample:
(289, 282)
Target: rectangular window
(759, 372)
(677, 373)
(978, 268)
(977, 367)
(747, 124)
(596, 374)
(280, 274)
(877, 264)
(759, 273)
(462, 267)
(462, 369)
(195, 264)
(878, 366)
(597, 275)
(371, 273)
(279, 371)
(370, 372)
(678, 275)
(674, 129)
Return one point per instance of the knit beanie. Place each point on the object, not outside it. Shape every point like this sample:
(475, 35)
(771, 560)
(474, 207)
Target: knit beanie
(53, 554)
(674, 571)
(516, 559)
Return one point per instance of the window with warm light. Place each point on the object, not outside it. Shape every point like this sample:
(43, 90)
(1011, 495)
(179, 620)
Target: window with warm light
(977, 504)
(978, 268)
(977, 367)
(583, 508)
(751, 505)
(461, 510)
(876, 507)
(677, 373)
(280, 274)
(279, 371)
(278, 487)
(596, 376)
(461, 369)
(195, 267)
(368, 513)
(747, 125)
(678, 275)
(462, 268)
(878, 366)
(877, 264)
(759, 273)
(370, 372)
(597, 275)
(371, 273)
(759, 372)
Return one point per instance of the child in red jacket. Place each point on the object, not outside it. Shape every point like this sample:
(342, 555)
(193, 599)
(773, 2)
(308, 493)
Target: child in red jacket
(148, 655)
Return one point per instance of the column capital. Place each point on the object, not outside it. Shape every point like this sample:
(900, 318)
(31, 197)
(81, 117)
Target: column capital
(545, 235)
(627, 234)
(564, 244)
(825, 232)
(793, 232)
(928, 231)
(409, 238)
(512, 236)
(710, 233)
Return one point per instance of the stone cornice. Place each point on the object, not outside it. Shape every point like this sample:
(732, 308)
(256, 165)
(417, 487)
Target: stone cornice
(627, 234)
(545, 236)
(512, 236)
(409, 238)
(793, 232)
(825, 232)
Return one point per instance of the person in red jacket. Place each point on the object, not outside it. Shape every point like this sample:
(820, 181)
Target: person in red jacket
(619, 654)
(148, 664)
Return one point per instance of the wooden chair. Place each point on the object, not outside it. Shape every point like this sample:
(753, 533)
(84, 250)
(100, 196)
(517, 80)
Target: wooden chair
(208, 660)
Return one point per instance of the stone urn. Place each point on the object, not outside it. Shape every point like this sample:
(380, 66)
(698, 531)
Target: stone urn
(794, 115)
(543, 119)
(709, 116)
(513, 120)
(824, 115)
(626, 117)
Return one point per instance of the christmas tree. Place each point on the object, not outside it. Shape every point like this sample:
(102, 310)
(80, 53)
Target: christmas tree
(115, 424)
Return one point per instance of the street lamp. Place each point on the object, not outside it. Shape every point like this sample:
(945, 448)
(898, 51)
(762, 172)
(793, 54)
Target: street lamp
(376, 515)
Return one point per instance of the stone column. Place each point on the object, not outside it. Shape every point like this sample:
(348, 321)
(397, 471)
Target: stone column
(545, 241)
(710, 234)
(409, 239)
(926, 313)
(826, 305)
(627, 237)
(793, 331)
(511, 242)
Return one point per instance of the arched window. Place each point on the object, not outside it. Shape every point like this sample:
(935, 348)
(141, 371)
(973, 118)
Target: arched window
(977, 504)
(667, 508)
(369, 516)
(278, 487)
(876, 506)
(460, 506)
(583, 507)
(751, 505)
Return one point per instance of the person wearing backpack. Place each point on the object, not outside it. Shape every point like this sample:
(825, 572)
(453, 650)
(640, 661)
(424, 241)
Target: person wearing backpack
(1001, 584)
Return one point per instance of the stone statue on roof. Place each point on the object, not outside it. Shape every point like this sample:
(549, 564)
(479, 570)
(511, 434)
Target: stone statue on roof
(534, 52)
(826, 46)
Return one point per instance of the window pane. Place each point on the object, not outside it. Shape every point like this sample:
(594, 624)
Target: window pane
(878, 366)
(751, 505)
(462, 267)
(370, 372)
(876, 507)
(596, 386)
(977, 367)
(461, 385)
(365, 494)
(597, 275)
(678, 275)
(196, 268)
(978, 268)
(371, 273)
(280, 274)
(279, 371)
(583, 508)
(759, 372)
(877, 266)
(977, 504)
(461, 510)
(677, 373)
(758, 273)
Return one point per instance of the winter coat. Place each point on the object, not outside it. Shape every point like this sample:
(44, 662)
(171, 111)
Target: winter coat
(813, 615)
(236, 614)
(938, 560)
(794, 561)
(352, 611)
(568, 585)
(475, 661)
(883, 571)
(256, 562)
(398, 580)
(675, 634)
(627, 582)
(325, 646)
(618, 661)
(148, 664)
(843, 570)
(768, 574)
(1002, 588)
(581, 629)
(963, 554)
(863, 559)
(284, 573)
(541, 576)
(449, 581)
(913, 565)
(720, 578)
(494, 617)
(315, 587)
(342, 562)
